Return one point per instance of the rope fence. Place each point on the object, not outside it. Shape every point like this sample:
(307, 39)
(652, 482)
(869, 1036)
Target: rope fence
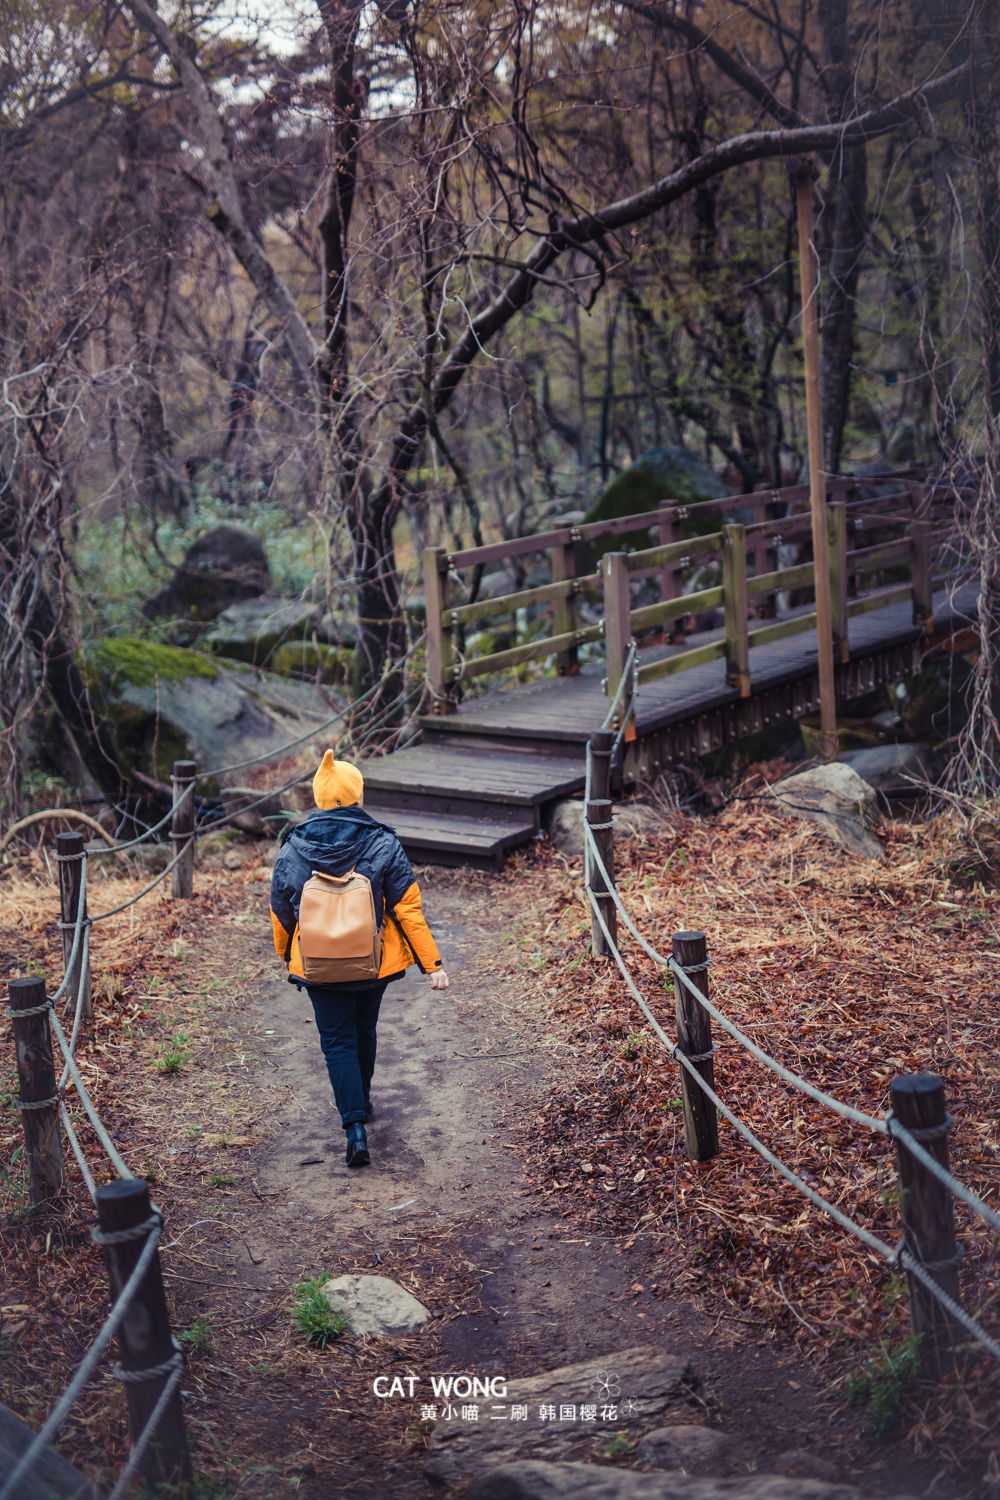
(151, 1375)
(129, 1229)
(927, 1250)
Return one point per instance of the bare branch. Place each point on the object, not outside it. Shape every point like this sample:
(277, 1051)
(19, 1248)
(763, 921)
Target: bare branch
(226, 212)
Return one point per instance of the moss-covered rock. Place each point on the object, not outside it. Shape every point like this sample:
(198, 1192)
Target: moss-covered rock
(660, 474)
(165, 704)
(127, 660)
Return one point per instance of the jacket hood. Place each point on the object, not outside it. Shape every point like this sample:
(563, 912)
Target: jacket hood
(333, 840)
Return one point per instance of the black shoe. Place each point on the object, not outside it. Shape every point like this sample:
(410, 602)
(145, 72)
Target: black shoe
(369, 1109)
(357, 1146)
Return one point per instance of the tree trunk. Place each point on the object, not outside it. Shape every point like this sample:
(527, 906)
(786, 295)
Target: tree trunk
(849, 235)
(849, 186)
(41, 625)
(979, 750)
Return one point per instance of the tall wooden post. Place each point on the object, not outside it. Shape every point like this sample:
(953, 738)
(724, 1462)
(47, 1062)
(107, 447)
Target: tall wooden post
(440, 650)
(837, 511)
(671, 583)
(928, 1217)
(144, 1338)
(599, 818)
(182, 829)
(617, 624)
(922, 565)
(69, 857)
(564, 610)
(694, 1037)
(804, 174)
(37, 1079)
(734, 584)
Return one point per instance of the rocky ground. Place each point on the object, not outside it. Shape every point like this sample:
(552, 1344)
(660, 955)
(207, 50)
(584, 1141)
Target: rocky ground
(493, 1101)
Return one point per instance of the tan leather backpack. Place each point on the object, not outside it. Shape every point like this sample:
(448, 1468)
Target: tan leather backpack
(339, 938)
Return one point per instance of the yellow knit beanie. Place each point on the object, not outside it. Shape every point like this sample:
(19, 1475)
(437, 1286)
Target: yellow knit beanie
(337, 783)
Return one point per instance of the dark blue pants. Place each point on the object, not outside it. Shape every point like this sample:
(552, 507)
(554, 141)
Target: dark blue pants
(346, 1020)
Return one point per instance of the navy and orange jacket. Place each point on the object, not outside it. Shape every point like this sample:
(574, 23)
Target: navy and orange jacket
(343, 839)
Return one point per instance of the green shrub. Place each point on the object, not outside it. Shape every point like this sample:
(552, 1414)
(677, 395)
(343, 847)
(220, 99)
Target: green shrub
(313, 1314)
(881, 1386)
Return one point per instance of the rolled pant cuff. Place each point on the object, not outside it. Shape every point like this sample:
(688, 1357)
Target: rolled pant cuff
(353, 1117)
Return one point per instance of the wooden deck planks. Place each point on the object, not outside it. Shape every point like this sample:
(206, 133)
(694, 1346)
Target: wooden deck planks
(570, 708)
(468, 797)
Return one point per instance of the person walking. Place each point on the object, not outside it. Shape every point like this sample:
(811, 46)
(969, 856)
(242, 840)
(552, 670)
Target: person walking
(339, 852)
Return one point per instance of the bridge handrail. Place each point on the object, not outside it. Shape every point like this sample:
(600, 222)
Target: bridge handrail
(448, 664)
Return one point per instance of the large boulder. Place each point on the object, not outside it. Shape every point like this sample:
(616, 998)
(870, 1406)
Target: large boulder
(835, 798)
(223, 566)
(631, 820)
(896, 770)
(165, 703)
(285, 635)
(660, 474)
(540, 1480)
(625, 1392)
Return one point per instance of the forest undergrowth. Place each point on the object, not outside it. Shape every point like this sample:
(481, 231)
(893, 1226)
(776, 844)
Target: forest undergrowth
(848, 973)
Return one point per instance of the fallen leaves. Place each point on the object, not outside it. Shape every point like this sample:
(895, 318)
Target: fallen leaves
(837, 973)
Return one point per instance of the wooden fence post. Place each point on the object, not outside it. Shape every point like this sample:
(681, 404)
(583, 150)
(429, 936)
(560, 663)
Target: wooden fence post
(734, 584)
(617, 625)
(440, 650)
(928, 1216)
(694, 1036)
(922, 564)
(671, 583)
(144, 1338)
(564, 610)
(37, 1078)
(599, 818)
(69, 858)
(182, 829)
(837, 516)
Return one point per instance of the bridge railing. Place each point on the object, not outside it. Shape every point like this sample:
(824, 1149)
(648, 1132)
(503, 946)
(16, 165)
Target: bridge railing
(748, 585)
(745, 597)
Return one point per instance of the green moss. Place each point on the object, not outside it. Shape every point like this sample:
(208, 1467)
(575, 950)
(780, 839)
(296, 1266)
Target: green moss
(303, 659)
(660, 474)
(127, 660)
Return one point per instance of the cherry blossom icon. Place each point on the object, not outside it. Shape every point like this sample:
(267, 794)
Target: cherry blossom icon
(630, 1407)
(606, 1385)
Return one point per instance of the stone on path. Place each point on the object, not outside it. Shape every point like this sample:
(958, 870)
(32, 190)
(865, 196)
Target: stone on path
(374, 1304)
(546, 1481)
(632, 819)
(838, 801)
(639, 1384)
(688, 1448)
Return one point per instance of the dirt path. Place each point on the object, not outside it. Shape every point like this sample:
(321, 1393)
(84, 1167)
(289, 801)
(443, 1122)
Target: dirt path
(445, 1209)
(504, 1232)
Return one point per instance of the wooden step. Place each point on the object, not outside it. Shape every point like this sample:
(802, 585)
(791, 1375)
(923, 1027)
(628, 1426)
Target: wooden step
(440, 839)
(459, 774)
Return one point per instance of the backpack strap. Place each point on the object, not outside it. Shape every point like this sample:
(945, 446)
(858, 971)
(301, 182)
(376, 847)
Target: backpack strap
(338, 880)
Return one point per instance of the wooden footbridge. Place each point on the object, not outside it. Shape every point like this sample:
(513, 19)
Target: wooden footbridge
(489, 768)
